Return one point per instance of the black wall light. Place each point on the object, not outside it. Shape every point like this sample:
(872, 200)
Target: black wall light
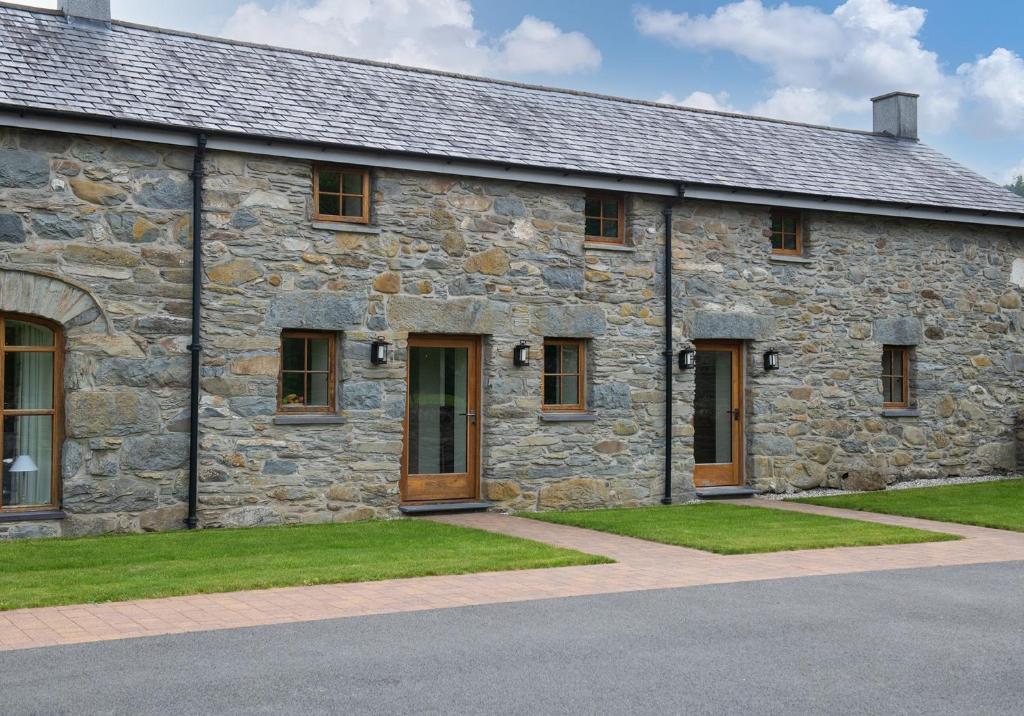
(771, 359)
(687, 359)
(379, 351)
(521, 355)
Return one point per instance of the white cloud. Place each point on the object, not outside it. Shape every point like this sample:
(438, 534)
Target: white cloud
(822, 64)
(700, 100)
(997, 82)
(426, 33)
(799, 104)
(539, 46)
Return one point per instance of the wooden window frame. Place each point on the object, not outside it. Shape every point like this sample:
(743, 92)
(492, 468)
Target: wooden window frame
(364, 217)
(620, 203)
(904, 352)
(332, 345)
(55, 412)
(581, 405)
(779, 215)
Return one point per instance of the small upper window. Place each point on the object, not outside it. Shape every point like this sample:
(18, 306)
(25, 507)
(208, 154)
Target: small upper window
(564, 374)
(787, 232)
(895, 376)
(341, 194)
(306, 384)
(603, 217)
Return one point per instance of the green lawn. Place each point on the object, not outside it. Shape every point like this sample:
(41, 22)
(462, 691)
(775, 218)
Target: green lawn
(997, 504)
(736, 529)
(98, 569)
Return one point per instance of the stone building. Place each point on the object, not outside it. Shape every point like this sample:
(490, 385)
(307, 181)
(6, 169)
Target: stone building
(421, 289)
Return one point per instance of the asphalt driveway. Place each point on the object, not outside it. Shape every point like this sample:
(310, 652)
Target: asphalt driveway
(937, 641)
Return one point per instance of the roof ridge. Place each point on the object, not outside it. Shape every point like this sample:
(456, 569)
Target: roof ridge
(458, 75)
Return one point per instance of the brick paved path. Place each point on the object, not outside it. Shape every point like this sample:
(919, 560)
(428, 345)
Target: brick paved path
(639, 566)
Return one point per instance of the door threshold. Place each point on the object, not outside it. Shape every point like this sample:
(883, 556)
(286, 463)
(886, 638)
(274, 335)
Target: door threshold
(725, 493)
(439, 507)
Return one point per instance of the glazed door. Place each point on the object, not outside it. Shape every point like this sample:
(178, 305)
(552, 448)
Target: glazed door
(718, 415)
(442, 419)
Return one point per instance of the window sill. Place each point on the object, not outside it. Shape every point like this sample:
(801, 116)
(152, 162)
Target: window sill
(32, 516)
(568, 417)
(783, 259)
(308, 420)
(901, 413)
(602, 246)
(345, 226)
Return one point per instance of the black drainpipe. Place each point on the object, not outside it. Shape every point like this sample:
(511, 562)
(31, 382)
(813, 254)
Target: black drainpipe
(669, 353)
(196, 346)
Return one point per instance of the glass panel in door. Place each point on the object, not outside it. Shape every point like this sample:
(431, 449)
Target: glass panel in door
(438, 414)
(713, 408)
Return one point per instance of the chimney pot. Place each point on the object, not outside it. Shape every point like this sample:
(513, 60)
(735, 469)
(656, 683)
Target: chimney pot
(895, 114)
(97, 10)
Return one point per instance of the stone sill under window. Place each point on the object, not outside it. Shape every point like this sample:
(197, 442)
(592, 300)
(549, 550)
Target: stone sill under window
(568, 417)
(346, 226)
(901, 413)
(312, 419)
(32, 516)
(603, 246)
(784, 259)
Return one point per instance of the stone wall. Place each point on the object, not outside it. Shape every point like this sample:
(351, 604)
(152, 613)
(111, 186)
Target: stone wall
(94, 235)
(867, 281)
(507, 262)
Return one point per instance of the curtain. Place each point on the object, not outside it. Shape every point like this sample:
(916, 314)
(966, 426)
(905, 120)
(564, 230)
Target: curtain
(29, 379)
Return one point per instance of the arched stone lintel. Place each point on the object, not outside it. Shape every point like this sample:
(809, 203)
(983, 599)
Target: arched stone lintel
(41, 293)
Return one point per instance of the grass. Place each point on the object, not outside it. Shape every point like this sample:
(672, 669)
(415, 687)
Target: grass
(736, 529)
(111, 568)
(997, 504)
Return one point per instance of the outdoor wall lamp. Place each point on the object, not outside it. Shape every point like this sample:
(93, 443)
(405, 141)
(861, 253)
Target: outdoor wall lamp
(687, 359)
(521, 355)
(771, 359)
(379, 351)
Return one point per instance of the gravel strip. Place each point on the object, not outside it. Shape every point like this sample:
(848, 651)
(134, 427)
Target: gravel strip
(929, 482)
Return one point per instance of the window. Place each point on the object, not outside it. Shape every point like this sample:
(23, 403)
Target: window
(306, 384)
(603, 218)
(564, 374)
(31, 372)
(787, 232)
(341, 194)
(895, 376)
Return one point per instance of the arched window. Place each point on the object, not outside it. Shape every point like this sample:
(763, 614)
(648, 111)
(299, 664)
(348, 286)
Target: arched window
(30, 372)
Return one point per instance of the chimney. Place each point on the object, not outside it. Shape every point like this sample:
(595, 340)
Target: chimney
(95, 10)
(895, 114)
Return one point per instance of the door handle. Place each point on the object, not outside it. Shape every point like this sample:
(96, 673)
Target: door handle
(471, 414)
(734, 413)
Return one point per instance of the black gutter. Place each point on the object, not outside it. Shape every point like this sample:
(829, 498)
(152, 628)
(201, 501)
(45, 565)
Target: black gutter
(669, 354)
(196, 346)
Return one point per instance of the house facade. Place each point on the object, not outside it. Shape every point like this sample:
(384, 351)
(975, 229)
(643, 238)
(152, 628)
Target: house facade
(385, 329)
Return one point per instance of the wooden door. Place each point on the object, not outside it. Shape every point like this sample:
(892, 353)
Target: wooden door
(718, 414)
(440, 460)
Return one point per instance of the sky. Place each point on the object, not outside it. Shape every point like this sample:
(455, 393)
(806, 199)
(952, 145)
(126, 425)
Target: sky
(807, 60)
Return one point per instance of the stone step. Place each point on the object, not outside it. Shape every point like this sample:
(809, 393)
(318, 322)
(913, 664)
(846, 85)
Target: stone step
(434, 508)
(725, 493)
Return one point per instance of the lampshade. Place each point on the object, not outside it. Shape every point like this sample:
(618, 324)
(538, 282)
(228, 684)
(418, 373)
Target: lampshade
(23, 463)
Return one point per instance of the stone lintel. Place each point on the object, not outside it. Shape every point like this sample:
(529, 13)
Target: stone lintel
(897, 331)
(568, 321)
(470, 316)
(316, 310)
(732, 326)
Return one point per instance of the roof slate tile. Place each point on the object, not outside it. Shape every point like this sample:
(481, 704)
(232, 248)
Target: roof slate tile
(131, 73)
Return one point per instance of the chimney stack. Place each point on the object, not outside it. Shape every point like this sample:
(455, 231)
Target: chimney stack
(95, 10)
(895, 114)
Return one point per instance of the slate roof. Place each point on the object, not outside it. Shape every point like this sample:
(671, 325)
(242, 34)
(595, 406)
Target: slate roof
(133, 73)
